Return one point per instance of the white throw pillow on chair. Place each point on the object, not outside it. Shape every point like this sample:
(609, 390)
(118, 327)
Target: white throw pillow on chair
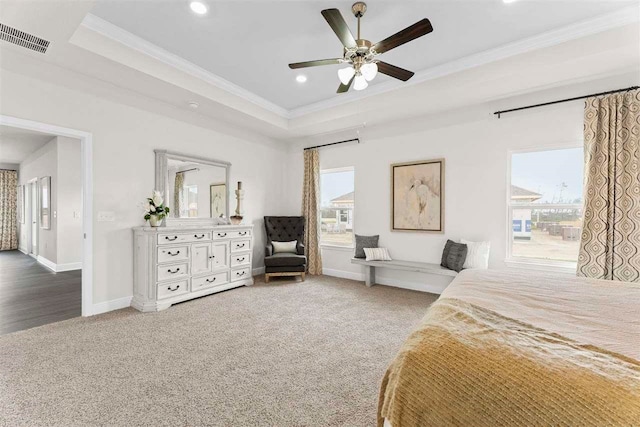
(284, 247)
(477, 254)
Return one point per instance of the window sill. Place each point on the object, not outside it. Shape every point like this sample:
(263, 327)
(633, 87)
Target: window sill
(550, 267)
(337, 248)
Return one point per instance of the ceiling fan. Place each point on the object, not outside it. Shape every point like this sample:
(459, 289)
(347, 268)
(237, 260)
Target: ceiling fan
(360, 54)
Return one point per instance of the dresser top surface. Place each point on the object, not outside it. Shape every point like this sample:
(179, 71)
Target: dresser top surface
(186, 228)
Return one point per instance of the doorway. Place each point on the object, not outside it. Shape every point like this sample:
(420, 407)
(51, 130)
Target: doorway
(85, 212)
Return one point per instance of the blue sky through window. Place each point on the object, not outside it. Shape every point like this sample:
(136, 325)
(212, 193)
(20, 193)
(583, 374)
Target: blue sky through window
(556, 174)
(334, 184)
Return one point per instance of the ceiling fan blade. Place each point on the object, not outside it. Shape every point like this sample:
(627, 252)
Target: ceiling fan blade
(345, 88)
(412, 32)
(315, 63)
(393, 71)
(339, 26)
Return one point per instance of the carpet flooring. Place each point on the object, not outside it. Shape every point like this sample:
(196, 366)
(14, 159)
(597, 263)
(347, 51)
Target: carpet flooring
(284, 354)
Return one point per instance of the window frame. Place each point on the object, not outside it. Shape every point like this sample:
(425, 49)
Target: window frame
(568, 267)
(353, 214)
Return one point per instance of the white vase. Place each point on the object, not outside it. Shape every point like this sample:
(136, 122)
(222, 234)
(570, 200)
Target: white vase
(154, 221)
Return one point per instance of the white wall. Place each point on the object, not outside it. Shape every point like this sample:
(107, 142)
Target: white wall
(124, 138)
(43, 162)
(475, 145)
(9, 166)
(59, 159)
(69, 200)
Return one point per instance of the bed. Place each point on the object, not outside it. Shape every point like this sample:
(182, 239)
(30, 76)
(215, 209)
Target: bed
(510, 348)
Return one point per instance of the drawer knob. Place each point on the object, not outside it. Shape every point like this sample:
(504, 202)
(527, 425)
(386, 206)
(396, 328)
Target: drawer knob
(174, 272)
(173, 254)
(240, 273)
(239, 245)
(171, 239)
(222, 234)
(242, 233)
(212, 257)
(240, 259)
(174, 289)
(198, 237)
(211, 280)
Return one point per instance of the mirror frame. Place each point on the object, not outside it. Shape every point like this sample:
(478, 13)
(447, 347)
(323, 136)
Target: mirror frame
(162, 183)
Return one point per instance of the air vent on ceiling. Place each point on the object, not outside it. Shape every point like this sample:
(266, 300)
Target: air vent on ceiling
(23, 39)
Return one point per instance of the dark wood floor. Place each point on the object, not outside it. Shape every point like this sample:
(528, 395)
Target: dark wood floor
(32, 295)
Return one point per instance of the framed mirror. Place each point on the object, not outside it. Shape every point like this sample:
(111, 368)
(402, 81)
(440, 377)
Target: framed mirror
(196, 189)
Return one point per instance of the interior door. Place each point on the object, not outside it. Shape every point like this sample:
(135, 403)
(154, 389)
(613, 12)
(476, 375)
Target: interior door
(220, 255)
(33, 197)
(201, 258)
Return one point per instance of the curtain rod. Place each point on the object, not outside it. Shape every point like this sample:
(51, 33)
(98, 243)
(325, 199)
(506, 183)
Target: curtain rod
(498, 113)
(333, 143)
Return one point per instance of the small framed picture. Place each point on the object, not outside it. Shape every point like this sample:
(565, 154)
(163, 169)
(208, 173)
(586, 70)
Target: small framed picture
(45, 202)
(218, 198)
(417, 196)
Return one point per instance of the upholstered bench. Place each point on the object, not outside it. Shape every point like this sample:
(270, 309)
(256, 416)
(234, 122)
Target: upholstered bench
(420, 267)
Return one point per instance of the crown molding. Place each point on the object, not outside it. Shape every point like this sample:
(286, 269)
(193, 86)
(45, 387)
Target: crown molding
(141, 45)
(575, 31)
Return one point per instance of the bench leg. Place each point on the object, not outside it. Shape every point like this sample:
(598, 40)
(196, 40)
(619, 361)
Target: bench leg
(369, 276)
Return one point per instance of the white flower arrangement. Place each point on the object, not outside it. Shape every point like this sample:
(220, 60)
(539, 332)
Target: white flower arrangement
(154, 206)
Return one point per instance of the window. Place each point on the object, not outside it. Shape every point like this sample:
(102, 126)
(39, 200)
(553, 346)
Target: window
(545, 206)
(337, 198)
(189, 201)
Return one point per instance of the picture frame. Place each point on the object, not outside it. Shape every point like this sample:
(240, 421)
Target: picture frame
(45, 203)
(218, 199)
(417, 196)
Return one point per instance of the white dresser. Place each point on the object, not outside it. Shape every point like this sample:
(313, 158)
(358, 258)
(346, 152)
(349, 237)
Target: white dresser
(174, 264)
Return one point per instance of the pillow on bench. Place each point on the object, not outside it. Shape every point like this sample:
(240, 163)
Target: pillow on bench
(377, 254)
(365, 242)
(454, 255)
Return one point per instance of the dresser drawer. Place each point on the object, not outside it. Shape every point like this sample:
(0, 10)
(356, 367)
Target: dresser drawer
(240, 274)
(168, 290)
(217, 235)
(240, 233)
(173, 254)
(172, 271)
(240, 245)
(198, 283)
(240, 259)
(173, 238)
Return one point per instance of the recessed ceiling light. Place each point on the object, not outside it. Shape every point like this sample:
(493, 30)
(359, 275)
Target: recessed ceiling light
(198, 7)
(193, 105)
(301, 78)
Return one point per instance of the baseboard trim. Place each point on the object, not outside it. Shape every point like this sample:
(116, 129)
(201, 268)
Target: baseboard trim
(69, 266)
(49, 264)
(257, 271)
(58, 268)
(387, 281)
(24, 251)
(114, 304)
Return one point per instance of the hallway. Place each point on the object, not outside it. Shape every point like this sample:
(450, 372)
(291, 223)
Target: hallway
(32, 295)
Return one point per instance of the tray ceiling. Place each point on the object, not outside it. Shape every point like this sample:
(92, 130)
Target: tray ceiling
(251, 43)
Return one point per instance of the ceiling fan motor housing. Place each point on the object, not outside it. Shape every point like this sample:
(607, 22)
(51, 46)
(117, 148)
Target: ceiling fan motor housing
(358, 9)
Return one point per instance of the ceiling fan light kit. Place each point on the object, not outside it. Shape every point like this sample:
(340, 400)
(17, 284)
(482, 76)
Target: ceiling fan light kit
(360, 54)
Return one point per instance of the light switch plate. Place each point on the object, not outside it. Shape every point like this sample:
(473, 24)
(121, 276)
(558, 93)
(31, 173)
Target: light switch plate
(106, 216)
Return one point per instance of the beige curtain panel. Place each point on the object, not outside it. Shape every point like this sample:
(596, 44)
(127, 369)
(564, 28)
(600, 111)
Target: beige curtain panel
(8, 210)
(177, 191)
(311, 210)
(610, 243)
